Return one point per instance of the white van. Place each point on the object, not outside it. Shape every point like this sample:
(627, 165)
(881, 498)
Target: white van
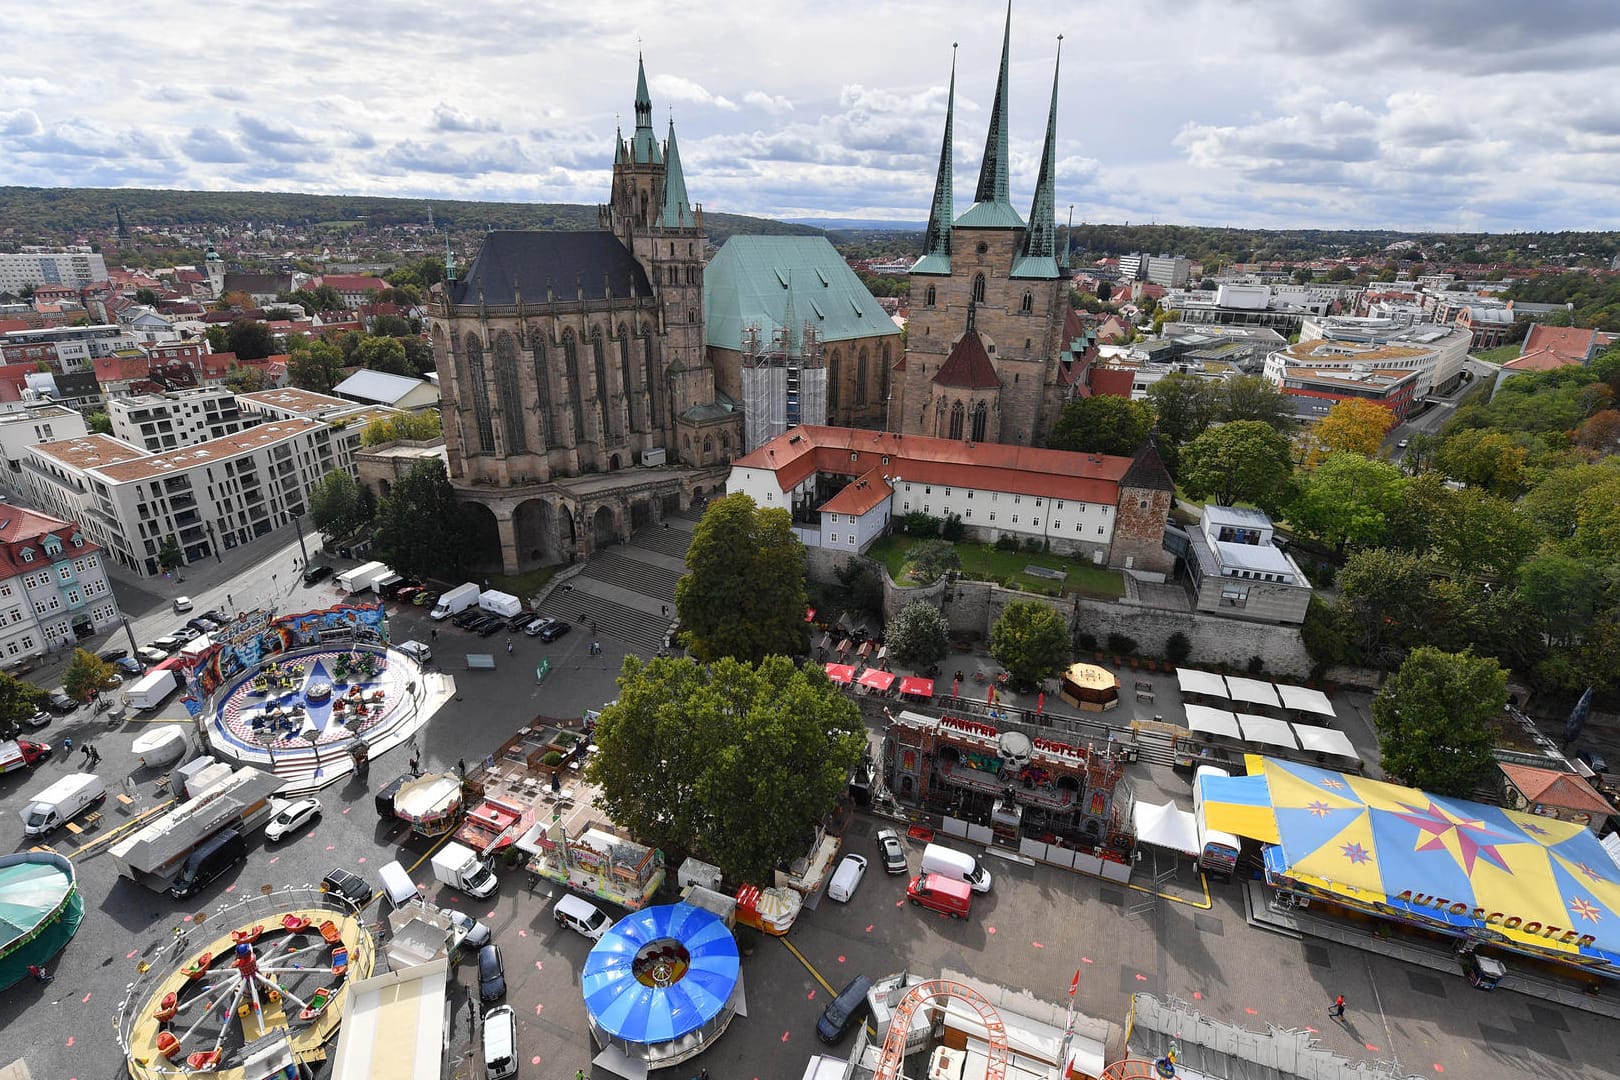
(416, 650)
(948, 862)
(846, 878)
(500, 1043)
(397, 885)
(580, 914)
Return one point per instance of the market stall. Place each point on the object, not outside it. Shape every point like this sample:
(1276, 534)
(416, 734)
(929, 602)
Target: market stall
(842, 674)
(1089, 687)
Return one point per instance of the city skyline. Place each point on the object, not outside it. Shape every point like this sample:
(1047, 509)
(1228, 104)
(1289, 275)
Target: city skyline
(1484, 117)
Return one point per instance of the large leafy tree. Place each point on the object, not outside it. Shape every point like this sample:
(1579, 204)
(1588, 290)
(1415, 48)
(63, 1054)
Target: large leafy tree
(918, 635)
(1254, 397)
(245, 380)
(1244, 461)
(1484, 458)
(250, 339)
(1436, 720)
(421, 531)
(1031, 641)
(1484, 535)
(1386, 600)
(1355, 426)
(743, 594)
(317, 367)
(1565, 592)
(98, 422)
(1186, 405)
(383, 354)
(929, 559)
(1102, 425)
(335, 505)
(87, 675)
(733, 761)
(18, 701)
(1346, 499)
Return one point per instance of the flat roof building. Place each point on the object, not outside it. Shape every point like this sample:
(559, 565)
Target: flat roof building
(1439, 352)
(169, 421)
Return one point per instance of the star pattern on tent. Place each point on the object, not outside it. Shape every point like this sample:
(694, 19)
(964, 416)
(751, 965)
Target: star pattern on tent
(1356, 854)
(1588, 872)
(1332, 783)
(1319, 808)
(1533, 828)
(1475, 840)
(1585, 909)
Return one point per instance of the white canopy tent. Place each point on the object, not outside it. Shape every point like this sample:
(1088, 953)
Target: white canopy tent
(1304, 699)
(1321, 740)
(1203, 720)
(1252, 691)
(1267, 731)
(1207, 683)
(1166, 827)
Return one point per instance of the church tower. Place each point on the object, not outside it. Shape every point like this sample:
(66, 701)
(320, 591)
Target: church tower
(1006, 271)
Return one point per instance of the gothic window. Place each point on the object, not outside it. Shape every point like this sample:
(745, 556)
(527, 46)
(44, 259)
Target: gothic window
(642, 217)
(958, 416)
(511, 395)
(981, 417)
(1027, 306)
(473, 351)
(672, 249)
(939, 417)
(885, 374)
(599, 360)
(978, 288)
(627, 382)
(542, 382)
(674, 275)
(931, 297)
(860, 379)
(691, 248)
(649, 365)
(576, 391)
(835, 370)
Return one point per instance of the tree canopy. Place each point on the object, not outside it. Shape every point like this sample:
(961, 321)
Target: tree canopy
(1354, 426)
(1031, 640)
(918, 635)
(1186, 405)
(1255, 397)
(383, 354)
(927, 560)
(87, 675)
(733, 761)
(98, 422)
(1243, 461)
(18, 701)
(743, 594)
(317, 366)
(1346, 499)
(1436, 720)
(336, 507)
(1102, 424)
(250, 339)
(415, 426)
(421, 531)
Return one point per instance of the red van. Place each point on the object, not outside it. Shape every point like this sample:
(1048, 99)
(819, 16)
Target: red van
(942, 894)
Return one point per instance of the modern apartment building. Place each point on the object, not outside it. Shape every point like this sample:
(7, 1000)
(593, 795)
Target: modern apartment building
(76, 266)
(1171, 271)
(212, 496)
(65, 348)
(169, 421)
(53, 585)
(1338, 341)
(346, 419)
(33, 424)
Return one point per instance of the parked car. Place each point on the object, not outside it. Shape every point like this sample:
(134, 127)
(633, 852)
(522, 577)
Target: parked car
(842, 1010)
(464, 619)
(214, 615)
(129, 665)
(39, 719)
(315, 573)
(538, 626)
(520, 621)
(112, 655)
(847, 878)
(165, 645)
(894, 853)
(491, 974)
(425, 598)
(289, 817)
(500, 1043)
(202, 625)
(477, 933)
(347, 884)
(60, 702)
(113, 681)
(555, 631)
(182, 604)
(491, 625)
(394, 590)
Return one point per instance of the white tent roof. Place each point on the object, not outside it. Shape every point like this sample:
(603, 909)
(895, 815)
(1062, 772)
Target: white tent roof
(1304, 699)
(1200, 682)
(1323, 740)
(1263, 729)
(1206, 721)
(1166, 827)
(1251, 690)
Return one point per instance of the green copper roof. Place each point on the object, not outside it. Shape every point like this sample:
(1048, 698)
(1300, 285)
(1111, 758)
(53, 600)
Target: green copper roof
(937, 240)
(991, 208)
(1041, 267)
(990, 215)
(644, 144)
(1040, 242)
(676, 212)
(749, 282)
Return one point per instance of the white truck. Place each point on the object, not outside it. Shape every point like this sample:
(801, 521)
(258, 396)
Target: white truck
(457, 866)
(499, 603)
(454, 601)
(151, 689)
(362, 577)
(61, 802)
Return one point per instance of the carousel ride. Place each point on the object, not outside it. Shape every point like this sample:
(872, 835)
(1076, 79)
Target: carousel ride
(278, 973)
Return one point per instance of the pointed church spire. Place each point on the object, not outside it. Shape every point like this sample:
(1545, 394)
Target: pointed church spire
(676, 212)
(643, 99)
(644, 145)
(993, 171)
(449, 261)
(937, 240)
(1040, 242)
(790, 323)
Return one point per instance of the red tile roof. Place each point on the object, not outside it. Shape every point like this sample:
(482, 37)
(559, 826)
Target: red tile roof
(353, 283)
(1112, 382)
(1556, 788)
(864, 494)
(20, 528)
(1569, 342)
(119, 368)
(1541, 360)
(968, 366)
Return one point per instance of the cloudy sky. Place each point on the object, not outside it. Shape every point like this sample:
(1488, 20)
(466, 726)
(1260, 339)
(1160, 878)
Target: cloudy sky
(1446, 114)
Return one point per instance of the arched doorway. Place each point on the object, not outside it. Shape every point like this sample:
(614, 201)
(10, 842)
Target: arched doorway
(567, 538)
(484, 537)
(640, 514)
(613, 463)
(534, 524)
(602, 531)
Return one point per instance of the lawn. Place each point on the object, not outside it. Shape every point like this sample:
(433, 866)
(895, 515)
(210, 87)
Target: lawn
(523, 586)
(982, 562)
(1500, 355)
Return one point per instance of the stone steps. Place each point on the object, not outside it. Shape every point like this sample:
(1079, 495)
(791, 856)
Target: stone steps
(628, 572)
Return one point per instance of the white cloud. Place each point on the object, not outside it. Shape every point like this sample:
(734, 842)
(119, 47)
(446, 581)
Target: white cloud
(761, 100)
(677, 88)
(20, 122)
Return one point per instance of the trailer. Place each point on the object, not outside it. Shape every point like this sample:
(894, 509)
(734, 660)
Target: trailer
(362, 577)
(499, 603)
(153, 855)
(153, 688)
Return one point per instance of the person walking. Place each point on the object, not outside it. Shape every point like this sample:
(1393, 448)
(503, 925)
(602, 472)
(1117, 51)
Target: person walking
(67, 743)
(435, 633)
(85, 750)
(95, 756)
(1336, 1010)
(40, 974)
(579, 1074)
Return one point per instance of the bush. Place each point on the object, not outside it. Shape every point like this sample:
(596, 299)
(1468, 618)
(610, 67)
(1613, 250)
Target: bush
(552, 759)
(1085, 642)
(952, 529)
(1322, 573)
(921, 524)
(1119, 643)
(918, 635)
(1033, 545)
(931, 559)
(1324, 633)
(1006, 543)
(1177, 647)
(1256, 665)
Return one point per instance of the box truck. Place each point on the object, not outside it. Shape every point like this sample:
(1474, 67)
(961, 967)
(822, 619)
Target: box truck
(22, 754)
(457, 866)
(455, 601)
(151, 689)
(61, 802)
(361, 577)
(499, 603)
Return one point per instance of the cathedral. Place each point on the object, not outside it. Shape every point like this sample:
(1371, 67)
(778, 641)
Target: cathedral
(570, 362)
(986, 355)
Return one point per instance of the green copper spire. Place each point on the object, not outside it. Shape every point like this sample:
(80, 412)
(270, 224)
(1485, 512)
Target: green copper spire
(936, 256)
(676, 212)
(991, 208)
(644, 144)
(449, 260)
(643, 99)
(1041, 239)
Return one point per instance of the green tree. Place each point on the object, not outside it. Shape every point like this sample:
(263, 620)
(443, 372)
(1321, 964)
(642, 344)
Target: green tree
(1254, 397)
(1565, 592)
(98, 422)
(686, 745)
(1482, 534)
(146, 296)
(1243, 461)
(1483, 458)
(417, 427)
(1101, 425)
(1385, 597)
(87, 675)
(743, 594)
(246, 380)
(18, 701)
(169, 555)
(928, 560)
(250, 339)
(383, 354)
(335, 505)
(1186, 405)
(1031, 641)
(391, 326)
(1421, 448)
(318, 367)
(1597, 518)
(918, 635)
(1436, 721)
(421, 531)
(1344, 502)
(219, 339)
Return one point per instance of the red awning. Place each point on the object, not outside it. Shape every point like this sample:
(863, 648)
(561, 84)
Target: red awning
(810, 614)
(877, 679)
(911, 684)
(843, 674)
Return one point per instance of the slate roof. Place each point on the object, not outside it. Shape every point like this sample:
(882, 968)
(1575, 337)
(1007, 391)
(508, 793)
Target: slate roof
(528, 263)
(747, 282)
(1147, 471)
(968, 366)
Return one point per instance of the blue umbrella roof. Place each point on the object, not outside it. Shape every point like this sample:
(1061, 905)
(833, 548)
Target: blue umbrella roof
(628, 1009)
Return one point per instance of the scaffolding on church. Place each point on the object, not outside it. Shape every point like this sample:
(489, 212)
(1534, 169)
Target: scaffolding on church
(784, 381)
